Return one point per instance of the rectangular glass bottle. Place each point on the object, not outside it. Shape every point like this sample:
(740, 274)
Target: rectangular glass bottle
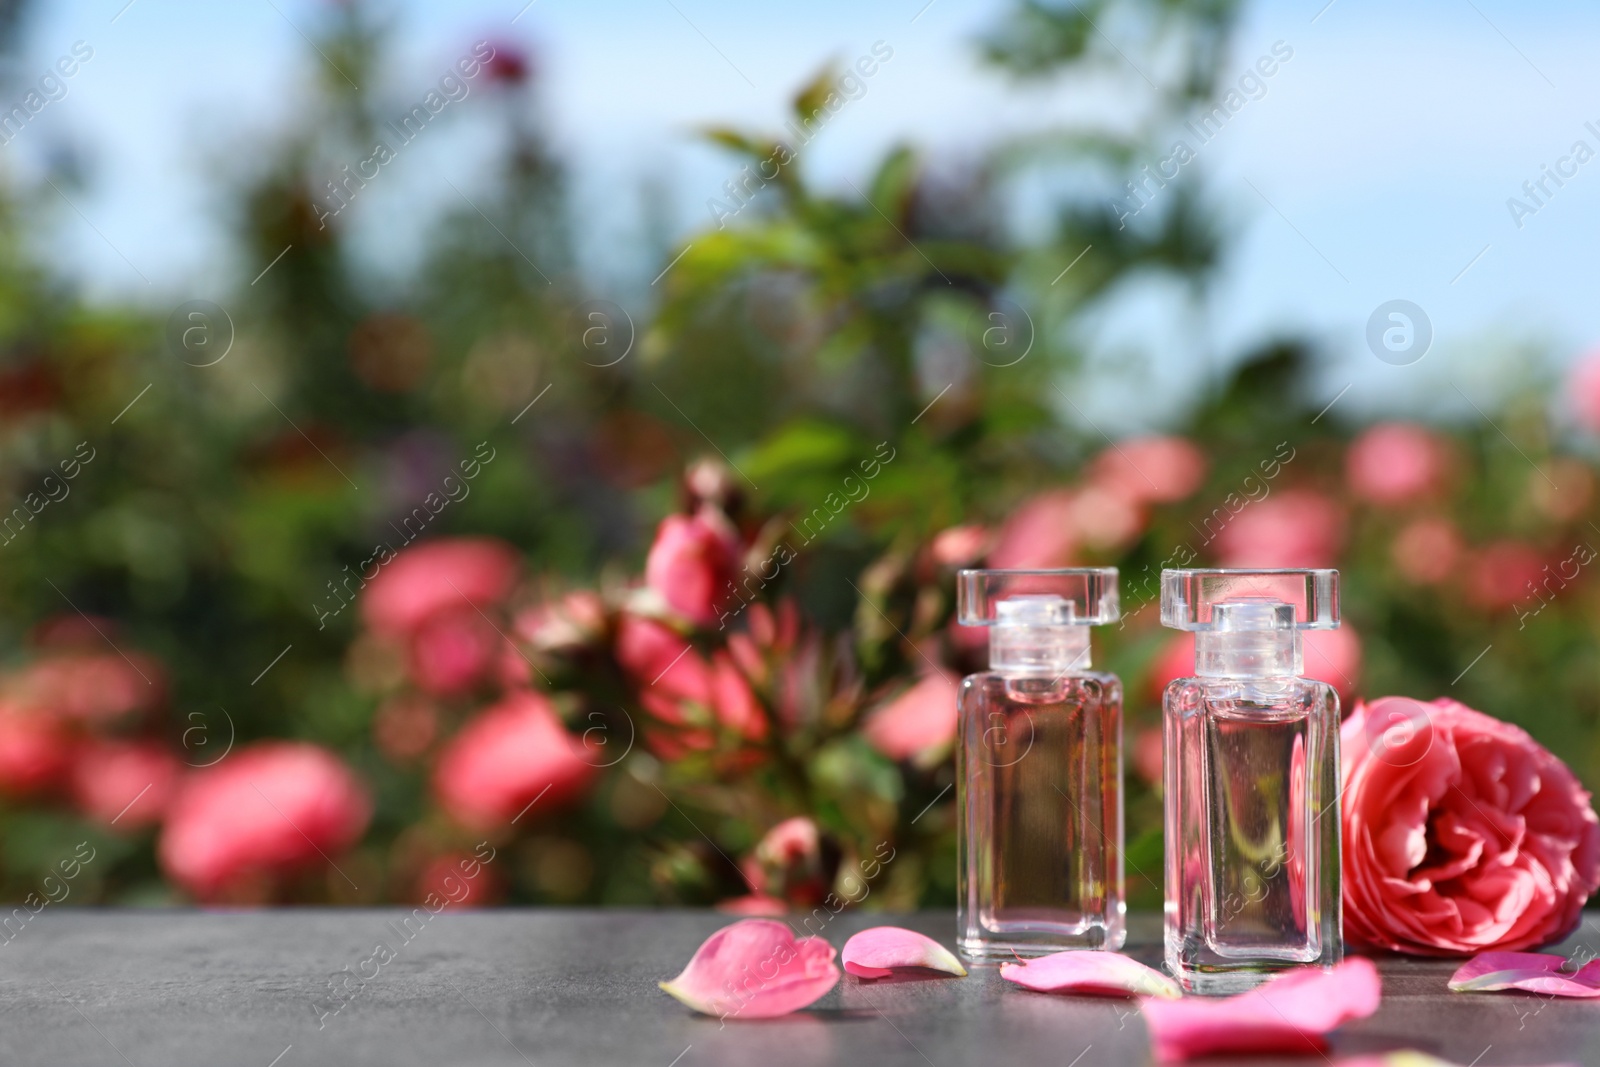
(1039, 770)
(1251, 753)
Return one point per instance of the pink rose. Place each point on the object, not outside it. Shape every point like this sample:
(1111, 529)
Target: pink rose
(460, 880)
(34, 751)
(574, 620)
(670, 674)
(1151, 470)
(1427, 550)
(1334, 656)
(1039, 533)
(1104, 518)
(1396, 463)
(664, 665)
(692, 563)
(1048, 529)
(92, 687)
(919, 724)
(1461, 833)
(959, 546)
(753, 904)
(124, 784)
(1504, 573)
(405, 726)
(1561, 488)
(1583, 386)
(1147, 756)
(512, 754)
(452, 651)
(448, 573)
(1293, 528)
(788, 863)
(263, 812)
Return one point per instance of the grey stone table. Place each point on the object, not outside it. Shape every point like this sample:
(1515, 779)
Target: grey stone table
(172, 988)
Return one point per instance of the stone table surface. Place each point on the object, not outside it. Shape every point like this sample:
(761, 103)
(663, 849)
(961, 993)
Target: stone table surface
(551, 987)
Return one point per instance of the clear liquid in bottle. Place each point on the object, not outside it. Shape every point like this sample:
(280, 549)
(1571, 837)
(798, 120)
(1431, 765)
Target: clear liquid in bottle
(1040, 779)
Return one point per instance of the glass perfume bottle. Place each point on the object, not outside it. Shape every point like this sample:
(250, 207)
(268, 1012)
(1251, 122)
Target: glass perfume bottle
(1252, 781)
(1039, 769)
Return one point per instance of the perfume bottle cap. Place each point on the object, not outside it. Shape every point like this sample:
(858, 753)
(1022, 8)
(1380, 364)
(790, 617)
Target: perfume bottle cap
(1242, 600)
(1039, 619)
(1072, 596)
(1247, 623)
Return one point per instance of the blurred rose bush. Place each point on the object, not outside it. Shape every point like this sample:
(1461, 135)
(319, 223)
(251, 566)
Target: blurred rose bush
(438, 563)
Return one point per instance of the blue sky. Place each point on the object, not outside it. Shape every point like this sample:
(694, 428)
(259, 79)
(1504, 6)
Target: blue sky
(1377, 165)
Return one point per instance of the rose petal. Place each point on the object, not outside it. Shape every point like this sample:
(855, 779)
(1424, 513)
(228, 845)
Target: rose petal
(1287, 1014)
(1531, 972)
(755, 969)
(875, 953)
(1092, 973)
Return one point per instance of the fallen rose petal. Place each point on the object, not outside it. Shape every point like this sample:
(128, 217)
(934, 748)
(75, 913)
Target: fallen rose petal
(1531, 972)
(1092, 973)
(755, 969)
(1286, 1014)
(875, 953)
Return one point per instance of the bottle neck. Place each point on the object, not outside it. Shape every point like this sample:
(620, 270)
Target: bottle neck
(1036, 649)
(1248, 654)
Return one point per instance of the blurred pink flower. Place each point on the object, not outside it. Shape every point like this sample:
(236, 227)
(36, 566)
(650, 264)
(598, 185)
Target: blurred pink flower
(452, 650)
(70, 631)
(573, 620)
(448, 573)
(710, 481)
(734, 701)
(960, 546)
(1332, 656)
(1396, 463)
(1427, 550)
(669, 673)
(34, 750)
(1104, 518)
(124, 783)
(460, 879)
(264, 811)
(692, 563)
(1174, 660)
(791, 841)
(664, 665)
(405, 726)
(919, 723)
(505, 758)
(92, 687)
(1503, 573)
(1147, 747)
(1292, 528)
(1151, 470)
(787, 863)
(753, 904)
(1041, 532)
(1562, 488)
(1462, 834)
(1583, 387)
